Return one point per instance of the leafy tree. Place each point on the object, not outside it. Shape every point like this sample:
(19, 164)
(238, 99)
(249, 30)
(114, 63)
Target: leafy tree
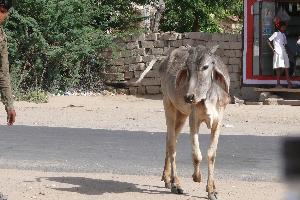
(196, 15)
(54, 44)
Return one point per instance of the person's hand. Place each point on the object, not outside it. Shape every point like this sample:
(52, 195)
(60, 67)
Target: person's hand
(11, 116)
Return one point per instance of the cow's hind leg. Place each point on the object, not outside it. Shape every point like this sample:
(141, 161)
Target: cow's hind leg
(174, 120)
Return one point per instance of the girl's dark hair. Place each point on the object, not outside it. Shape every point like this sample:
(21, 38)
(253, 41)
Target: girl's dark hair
(7, 4)
(281, 24)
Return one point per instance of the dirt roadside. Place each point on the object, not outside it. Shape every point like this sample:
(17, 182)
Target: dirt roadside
(137, 114)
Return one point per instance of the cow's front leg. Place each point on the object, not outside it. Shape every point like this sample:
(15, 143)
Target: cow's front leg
(166, 177)
(211, 159)
(171, 118)
(196, 153)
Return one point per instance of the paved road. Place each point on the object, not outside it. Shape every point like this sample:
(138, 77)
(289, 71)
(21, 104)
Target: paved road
(87, 150)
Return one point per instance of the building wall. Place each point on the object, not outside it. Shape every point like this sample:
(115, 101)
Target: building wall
(134, 53)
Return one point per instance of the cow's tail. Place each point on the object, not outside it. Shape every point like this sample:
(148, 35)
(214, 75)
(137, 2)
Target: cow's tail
(136, 83)
(143, 74)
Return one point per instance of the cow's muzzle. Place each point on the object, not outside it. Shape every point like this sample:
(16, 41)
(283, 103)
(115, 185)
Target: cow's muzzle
(189, 98)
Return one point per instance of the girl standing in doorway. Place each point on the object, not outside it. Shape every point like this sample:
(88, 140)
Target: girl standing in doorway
(280, 57)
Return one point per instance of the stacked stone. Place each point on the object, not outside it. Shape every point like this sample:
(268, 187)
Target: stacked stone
(134, 54)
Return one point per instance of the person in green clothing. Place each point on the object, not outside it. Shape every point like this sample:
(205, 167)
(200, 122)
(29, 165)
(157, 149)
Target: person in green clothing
(5, 87)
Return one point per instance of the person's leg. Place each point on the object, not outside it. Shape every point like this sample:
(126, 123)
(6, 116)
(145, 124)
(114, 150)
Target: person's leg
(278, 77)
(288, 77)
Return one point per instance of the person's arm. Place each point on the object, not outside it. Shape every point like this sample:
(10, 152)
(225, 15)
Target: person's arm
(271, 46)
(270, 40)
(5, 88)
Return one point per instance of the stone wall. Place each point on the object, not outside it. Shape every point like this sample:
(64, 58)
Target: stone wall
(135, 52)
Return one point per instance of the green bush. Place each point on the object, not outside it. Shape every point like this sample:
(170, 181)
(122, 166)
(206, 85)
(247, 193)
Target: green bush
(54, 44)
(36, 96)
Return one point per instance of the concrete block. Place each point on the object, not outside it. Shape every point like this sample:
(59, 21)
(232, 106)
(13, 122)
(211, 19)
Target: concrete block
(234, 77)
(151, 81)
(169, 36)
(141, 90)
(138, 37)
(148, 58)
(225, 60)
(256, 103)
(176, 43)
(199, 36)
(289, 102)
(138, 66)
(114, 76)
(119, 61)
(217, 37)
(128, 75)
(199, 42)
(239, 38)
(230, 53)
(248, 93)
(238, 53)
(152, 89)
(153, 74)
(133, 90)
(272, 101)
(212, 44)
(235, 68)
(125, 53)
(235, 45)
(159, 44)
(226, 37)
(220, 52)
(151, 36)
(132, 45)
(179, 37)
(133, 60)
(137, 52)
(235, 84)
(224, 45)
(147, 44)
(264, 95)
(188, 42)
(122, 91)
(157, 51)
(235, 61)
(167, 50)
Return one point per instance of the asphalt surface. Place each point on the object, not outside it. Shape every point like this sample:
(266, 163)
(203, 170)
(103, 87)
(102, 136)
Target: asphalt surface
(241, 157)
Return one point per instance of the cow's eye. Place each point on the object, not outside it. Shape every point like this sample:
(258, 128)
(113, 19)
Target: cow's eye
(205, 67)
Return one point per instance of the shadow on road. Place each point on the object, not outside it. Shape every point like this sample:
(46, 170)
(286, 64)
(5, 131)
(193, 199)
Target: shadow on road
(89, 186)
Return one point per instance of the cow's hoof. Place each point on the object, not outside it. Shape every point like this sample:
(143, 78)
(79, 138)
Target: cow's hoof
(197, 178)
(168, 185)
(176, 190)
(213, 196)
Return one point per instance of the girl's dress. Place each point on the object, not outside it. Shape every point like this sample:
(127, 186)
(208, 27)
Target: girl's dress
(280, 58)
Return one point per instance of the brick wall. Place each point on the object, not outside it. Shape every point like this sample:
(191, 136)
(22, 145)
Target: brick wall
(135, 52)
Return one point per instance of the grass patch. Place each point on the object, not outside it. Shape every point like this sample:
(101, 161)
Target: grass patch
(35, 96)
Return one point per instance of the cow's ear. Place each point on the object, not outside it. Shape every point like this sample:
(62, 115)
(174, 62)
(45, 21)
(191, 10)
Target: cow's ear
(221, 76)
(181, 77)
